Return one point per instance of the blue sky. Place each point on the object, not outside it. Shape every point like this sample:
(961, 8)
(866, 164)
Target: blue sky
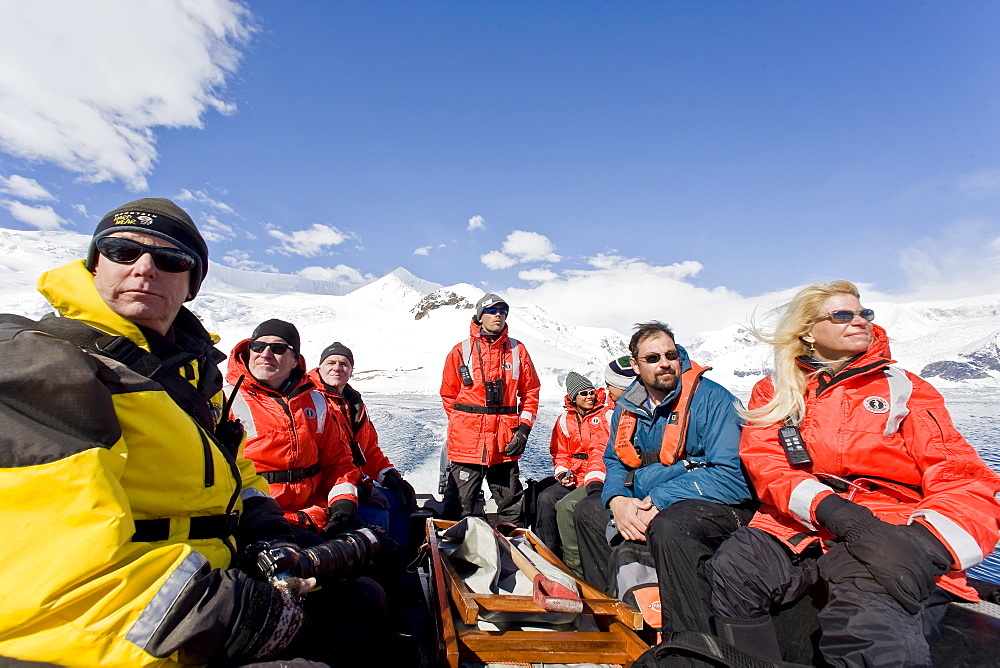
(558, 150)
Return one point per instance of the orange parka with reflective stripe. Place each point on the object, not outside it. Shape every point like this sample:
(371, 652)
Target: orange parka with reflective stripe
(578, 441)
(480, 438)
(294, 432)
(921, 470)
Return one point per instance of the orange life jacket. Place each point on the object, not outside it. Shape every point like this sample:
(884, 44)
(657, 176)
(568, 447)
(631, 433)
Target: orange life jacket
(674, 432)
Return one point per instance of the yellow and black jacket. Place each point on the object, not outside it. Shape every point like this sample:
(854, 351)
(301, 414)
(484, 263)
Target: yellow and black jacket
(118, 509)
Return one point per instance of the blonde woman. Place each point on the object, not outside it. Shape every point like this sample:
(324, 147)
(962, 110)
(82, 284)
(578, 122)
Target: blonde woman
(866, 488)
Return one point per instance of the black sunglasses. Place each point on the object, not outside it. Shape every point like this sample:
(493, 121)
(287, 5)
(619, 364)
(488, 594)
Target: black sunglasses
(127, 251)
(276, 348)
(495, 311)
(844, 316)
(653, 358)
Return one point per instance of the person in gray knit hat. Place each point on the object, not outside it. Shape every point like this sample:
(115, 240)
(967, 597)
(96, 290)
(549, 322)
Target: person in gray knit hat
(577, 445)
(489, 389)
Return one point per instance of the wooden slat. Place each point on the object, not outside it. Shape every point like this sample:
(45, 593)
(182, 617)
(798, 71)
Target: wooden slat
(461, 595)
(543, 646)
(448, 639)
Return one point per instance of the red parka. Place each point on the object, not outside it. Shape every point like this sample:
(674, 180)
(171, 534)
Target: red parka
(293, 436)
(887, 431)
(476, 436)
(578, 441)
(352, 414)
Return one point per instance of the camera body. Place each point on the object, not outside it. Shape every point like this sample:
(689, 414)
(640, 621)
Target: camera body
(339, 557)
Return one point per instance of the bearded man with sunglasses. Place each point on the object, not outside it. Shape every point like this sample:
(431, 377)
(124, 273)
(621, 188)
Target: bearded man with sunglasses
(489, 389)
(673, 482)
(126, 493)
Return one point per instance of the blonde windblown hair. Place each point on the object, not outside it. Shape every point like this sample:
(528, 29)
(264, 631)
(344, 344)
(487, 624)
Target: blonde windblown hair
(796, 319)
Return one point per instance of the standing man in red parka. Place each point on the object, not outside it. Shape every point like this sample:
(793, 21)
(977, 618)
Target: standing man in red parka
(490, 392)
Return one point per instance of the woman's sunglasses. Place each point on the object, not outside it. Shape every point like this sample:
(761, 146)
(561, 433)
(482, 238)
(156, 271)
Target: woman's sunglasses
(843, 317)
(276, 348)
(586, 393)
(127, 251)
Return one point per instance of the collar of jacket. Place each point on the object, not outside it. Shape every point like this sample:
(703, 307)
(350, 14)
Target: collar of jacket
(876, 357)
(634, 399)
(476, 333)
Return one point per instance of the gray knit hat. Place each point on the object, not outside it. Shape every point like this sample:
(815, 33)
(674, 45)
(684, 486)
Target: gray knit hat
(619, 373)
(489, 300)
(575, 383)
(158, 217)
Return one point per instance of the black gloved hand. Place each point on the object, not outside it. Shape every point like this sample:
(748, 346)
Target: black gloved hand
(517, 443)
(904, 559)
(393, 480)
(230, 434)
(343, 517)
(595, 487)
(376, 497)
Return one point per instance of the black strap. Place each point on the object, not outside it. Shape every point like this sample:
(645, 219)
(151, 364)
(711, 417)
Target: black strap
(486, 410)
(125, 351)
(290, 475)
(202, 528)
(579, 455)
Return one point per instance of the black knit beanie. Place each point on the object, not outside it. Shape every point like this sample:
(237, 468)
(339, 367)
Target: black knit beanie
(575, 382)
(489, 300)
(337, 348)
(280, 328)
(158, 217)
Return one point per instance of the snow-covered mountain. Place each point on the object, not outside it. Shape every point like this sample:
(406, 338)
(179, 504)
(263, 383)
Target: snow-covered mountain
(401, 327)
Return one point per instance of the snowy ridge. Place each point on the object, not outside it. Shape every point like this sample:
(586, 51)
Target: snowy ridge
(401, 327)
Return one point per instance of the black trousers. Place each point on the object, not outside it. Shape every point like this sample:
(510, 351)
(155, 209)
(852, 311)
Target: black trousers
(591, 520)
(466, 480)
(545, 516)
(860, 623)
(682, 537)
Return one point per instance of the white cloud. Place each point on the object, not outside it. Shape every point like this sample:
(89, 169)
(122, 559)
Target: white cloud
(529, 247)
(476, 223)
(496, 260)
(983, 183)
(214, 230)
(310, 242)
(339, 274)
(24, 188)
(961, 260)
(201, 197)
(85, 85)
(423, 250)
(40, 217)
(241, 260)
(537, 275)
(621, 291)
(520, 247)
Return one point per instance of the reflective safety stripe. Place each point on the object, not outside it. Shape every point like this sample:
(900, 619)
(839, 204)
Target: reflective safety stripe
(562, 425)
(156, 610)
(240, 409)
(801, 500)
(958, 539)
(900, 389)
(319, 403)
(528, 417)
(342, 489)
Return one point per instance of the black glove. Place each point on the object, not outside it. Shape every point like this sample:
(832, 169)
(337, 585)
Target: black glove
(904, 559)
(376, 497)
(343, 517)
(393, 480)
(517, 443)
(230, 434)
(595, 487)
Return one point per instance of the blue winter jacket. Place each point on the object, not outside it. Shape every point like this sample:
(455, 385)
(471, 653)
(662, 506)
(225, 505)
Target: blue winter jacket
(713, 438)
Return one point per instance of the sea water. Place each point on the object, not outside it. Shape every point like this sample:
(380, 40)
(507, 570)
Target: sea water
(412, 430)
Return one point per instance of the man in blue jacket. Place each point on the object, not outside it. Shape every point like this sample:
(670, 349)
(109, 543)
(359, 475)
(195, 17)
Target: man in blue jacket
(674, 480)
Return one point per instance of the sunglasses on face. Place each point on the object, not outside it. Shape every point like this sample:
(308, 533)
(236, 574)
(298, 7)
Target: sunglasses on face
(276, 348)
(653, 358)
(843, 317)
(586, 393)
(127, 251)
(495, 311)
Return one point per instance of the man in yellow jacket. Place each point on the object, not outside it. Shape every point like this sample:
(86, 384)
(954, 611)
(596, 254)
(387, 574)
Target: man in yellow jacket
(125, 505)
